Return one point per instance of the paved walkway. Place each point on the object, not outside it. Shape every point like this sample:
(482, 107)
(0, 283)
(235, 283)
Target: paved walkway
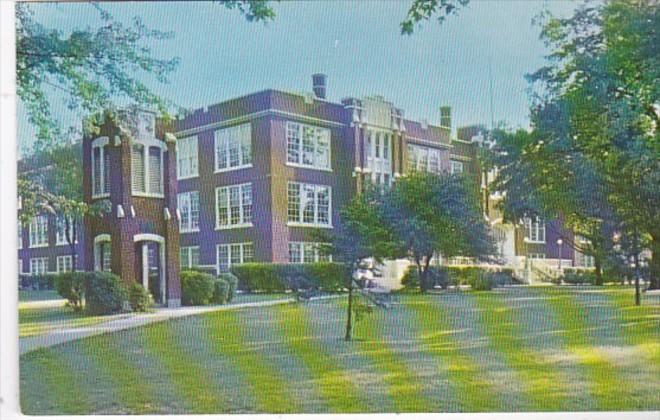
(65, 335)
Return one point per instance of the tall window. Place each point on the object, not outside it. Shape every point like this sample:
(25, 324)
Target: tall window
(100, 171)
(147, 169)
(379, 160)
(60, 233)
(456, 167)
(309, 204)
(233, 254)
(422, 158)
(39, 231)
(233, 206)
(186, 158)
(535, 230)
(306, 252)
(188, 204)
(233, 147)
(20, 235)
(105, 256)
(38, 265)
(189, 256)
(64, 263)
(307, 145)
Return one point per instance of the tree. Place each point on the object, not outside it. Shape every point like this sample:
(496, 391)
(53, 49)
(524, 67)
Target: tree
(421, 10)
(432, 214)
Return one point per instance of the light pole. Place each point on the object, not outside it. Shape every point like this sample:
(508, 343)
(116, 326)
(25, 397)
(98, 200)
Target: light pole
(525, 240)
(559, 243)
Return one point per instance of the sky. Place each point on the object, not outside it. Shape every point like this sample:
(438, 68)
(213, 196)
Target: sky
(357, 44)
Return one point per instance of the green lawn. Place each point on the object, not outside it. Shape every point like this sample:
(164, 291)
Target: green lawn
(519, 349)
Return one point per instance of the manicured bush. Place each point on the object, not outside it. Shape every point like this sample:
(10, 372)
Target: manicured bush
(572, 276)
(232, 282)
(481, 280)
(196, 288)
(280, 278)
(139, 298)
(437, 277)
(71, 286)
(104, 293)
(259, 277)
(220, 291)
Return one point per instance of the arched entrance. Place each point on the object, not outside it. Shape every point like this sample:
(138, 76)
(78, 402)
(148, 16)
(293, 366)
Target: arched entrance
(150, 252)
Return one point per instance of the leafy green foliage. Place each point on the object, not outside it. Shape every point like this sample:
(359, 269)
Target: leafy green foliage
(421, 10)
(220, 291)
(232, 283)
(196, 288)
(280, 278)
(104, 293)
(139, 298)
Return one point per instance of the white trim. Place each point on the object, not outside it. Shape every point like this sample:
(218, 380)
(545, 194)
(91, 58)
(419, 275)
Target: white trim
(241, 213)
(148, 195)
(148, 237)
(426, 142)
(238, 226)
(312, 225)
(100, 141)
(163, 267)
(313, 168)
(103, 237)
(233, 168)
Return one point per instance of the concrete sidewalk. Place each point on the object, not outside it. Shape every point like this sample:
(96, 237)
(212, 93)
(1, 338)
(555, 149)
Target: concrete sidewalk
(65, 335)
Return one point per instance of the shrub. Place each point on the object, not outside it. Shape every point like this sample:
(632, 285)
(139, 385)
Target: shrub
(37, 281)
(481, 280)
(279, 278)
(196, 288)
(259, 277)
(436, 277)
(220, 291)
(139, 298)
(104, 293)
(571, 276)
(71, 286)
(232, 283)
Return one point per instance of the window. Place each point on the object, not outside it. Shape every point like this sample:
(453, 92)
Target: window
(233, 147)
(233, 206)
(105, 253)
(306, 252)
(186, 158)
(20, 235)
(189, 256)
(233, 254)
(535, 230)
(309, 204)
(536, 256)
(38, 266)
(188, 205)
(379, 161)
(39, 231)
(456, 167)
(147, 169)
(60, 233)
(64, 263)
(20, 266)
(100, 171)
(422, 158)
(307, 145)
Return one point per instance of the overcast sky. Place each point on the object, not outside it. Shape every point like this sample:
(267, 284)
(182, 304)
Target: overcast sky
(357, 44)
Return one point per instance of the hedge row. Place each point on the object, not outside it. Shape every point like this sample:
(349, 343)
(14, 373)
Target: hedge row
(200, 288)
(478, 278)
(279, 278)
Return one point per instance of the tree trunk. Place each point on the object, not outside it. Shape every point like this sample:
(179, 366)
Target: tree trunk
(420, 275)
(349, 315)
(598, 268)
(636, 257)
(71, 231)
(654, 264)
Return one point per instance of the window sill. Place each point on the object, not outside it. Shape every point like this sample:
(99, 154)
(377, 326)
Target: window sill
(181, 178)
(233, 168)
(189, 230)
(529, 241)
(310, 167)
(310, 225)
(148, 195)
(98, 196)
(238, 226)
(65, 243)
(38, 246)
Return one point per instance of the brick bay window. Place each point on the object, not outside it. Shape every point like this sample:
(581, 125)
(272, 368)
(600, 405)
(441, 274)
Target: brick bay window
(147, 167)
(307, 252)
(39, 231)
(233, 254)
(100, 168)
(188, 205)
(309, 205)
(307, 146)
(233, 148)
(233, 206)
(187, 165)
(535, 230)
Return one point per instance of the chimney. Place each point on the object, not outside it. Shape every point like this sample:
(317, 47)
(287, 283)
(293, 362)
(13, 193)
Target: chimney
(318, 81)
(445, 116)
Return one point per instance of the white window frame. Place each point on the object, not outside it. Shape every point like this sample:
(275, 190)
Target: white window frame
(38, 239)
(378, 142)
(146, 145)
(219, 142)
(315, 249)
(61, 263)
(242, 223)
(20, 266)
(534, 230)
(186, 197)
(228, 247)
(301, 205)
(415, 162)
(187, 157)
(60, 235)
(38, 266)
(20, 235)
(188, 251)
(455, 164)
(320, 132)
(101, 144)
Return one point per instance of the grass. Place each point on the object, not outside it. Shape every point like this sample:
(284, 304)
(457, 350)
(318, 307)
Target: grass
(33, 295)
(40, 320)
(481, 347)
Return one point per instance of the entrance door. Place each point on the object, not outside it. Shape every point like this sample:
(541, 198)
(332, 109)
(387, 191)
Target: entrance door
(151, 270)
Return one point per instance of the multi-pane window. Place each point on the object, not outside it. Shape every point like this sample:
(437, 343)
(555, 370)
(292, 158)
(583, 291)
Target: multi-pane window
(379, 160)
(233, 206)
(536, 256)
(456, 167)
(186, 158)
(105, 256)
(39, 231)
(535, 230)
(189, 256)
(233, 254)
(233, 147)
(38, 265)
(147, 169)
(309, 204)
(20, 266)
(307, 145)
(61, 234)
(307, 252)
(422, 158)
(188, 205)
(20, 235)
(64, 263)
(100, 171)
